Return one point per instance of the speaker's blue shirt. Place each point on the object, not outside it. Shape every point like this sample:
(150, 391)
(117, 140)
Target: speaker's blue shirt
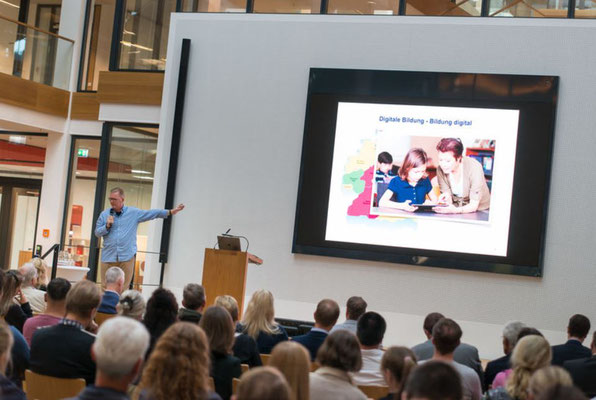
(404, 191)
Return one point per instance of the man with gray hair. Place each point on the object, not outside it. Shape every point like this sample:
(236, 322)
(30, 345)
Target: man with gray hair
(35, 296)
(118, 351)
(114, 283)
(510, 333)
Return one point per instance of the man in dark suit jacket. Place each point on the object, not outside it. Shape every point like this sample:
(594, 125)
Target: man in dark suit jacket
(114, 281)
(583, 371)
(577, 330)
(510, 333)
(326, 316)
(64, 350)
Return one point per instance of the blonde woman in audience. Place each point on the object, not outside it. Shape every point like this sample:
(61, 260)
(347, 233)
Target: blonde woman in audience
(14, 306)
(42, 272)
(293, 360)
(396, 365)
(530, 354)
(259, 322)
(178, 367)
(263, 383)
(8, 390)
(546, 377)
(131, 304)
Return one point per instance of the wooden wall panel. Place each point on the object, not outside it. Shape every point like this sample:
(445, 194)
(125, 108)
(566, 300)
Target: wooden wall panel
(130, 87)
(85, 106)
(33, 96)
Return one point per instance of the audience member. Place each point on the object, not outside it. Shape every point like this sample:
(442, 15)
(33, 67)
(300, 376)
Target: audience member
(433, 380)
(546, 377)
(355, 307)
(131, 305)
(530, 354)
(263, 383)
(56, 308)
(219, 328)
(577, 330)
(370, 332)
(258, 322)
(14, 314)
(339, 355)
(35, 296)
(245, 348)
(64, 350)
(562, 392)
(446, 336)
(114, 284)
(396, 365)
(326, 316)
(42, 272)
(293, 361)
(118, 351)
(193, 303)
(161, 312)
(510, 333)
(465, 354)
(8, 390)
(178, 367)
(583, 371)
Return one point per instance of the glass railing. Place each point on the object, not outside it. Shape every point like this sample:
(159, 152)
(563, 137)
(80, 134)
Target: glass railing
(34, 54)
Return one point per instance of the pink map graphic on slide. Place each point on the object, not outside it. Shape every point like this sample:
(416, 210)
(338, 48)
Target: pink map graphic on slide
(361, 205)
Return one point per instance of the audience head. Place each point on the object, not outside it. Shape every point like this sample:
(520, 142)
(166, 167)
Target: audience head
(42, 271)
(230, 304)
(29, 275)
(355, 307)
(396, 365)
(510, 334)
(446, 336)
(6, 341)
(161, 312)
(178, 367)
(326, 314)
(293, 360)
(217, 324)
(579, 327)
(56, 293)
(546, 377)
(430, 321)
(530, 354)
(193, 297)
(82, 300)
(562, 392)
(10, 285)
(259, 315)
(433, 380)
(340, 350)
(131, 304)
(371, 329)
(263, 383)
(119, 348)
(114, 279)
(527, 331)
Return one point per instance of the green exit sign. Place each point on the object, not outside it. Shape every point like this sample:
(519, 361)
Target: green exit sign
(83, 153)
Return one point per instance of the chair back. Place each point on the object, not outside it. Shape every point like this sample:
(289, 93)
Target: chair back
(100, 317)
(245, 367)
(265, 358)
(211, 384)
(374, 392)
(43, 387)
(235, 383)
(314, 366)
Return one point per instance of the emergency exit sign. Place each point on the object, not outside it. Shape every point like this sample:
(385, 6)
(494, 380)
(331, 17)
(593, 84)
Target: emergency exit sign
(83, 153)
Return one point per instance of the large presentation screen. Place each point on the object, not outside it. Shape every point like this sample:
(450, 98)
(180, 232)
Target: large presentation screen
(436, 169)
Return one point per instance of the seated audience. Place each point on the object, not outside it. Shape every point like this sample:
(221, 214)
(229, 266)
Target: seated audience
(338, 356)
(56, 309)
(396, 365)
(8, 390)
(178, 367)
(446, 337)
(219, 328)
(258, 322)
(510, 333)
(245, 348)
(583, 371)
(562, 392)
(131, 305)
(14, 314)
(42, 272)
(433, 380)
(355, 307)
(577, 330)
(293, 361)
(530, 354)
(546, 377)
(193, 303)
(64, 350)
(161, 312)
(371, 330)
(28, 288)
(326, 316)
(118, 351)
(114, 284)
(464, 354)
(263, 383)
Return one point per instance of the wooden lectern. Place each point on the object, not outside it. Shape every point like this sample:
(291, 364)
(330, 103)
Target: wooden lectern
(224, 272)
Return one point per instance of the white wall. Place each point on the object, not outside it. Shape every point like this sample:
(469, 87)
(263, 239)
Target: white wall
(240, 157)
